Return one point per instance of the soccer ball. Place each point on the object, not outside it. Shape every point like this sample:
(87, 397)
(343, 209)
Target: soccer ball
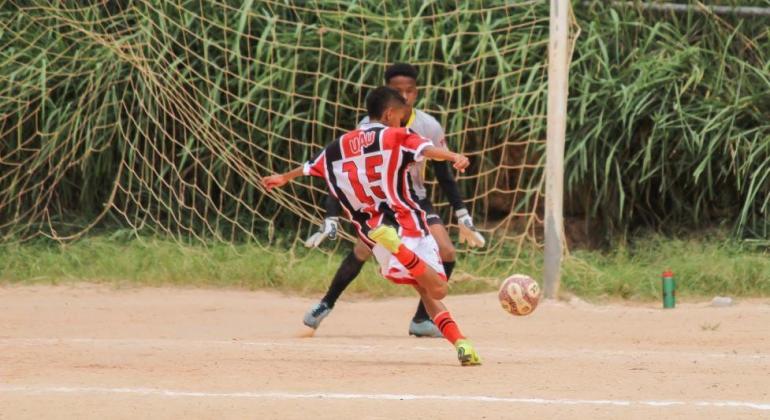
(519, 294)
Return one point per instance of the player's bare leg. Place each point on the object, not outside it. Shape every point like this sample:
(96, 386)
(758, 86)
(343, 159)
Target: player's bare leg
(347, 271)
(422, 324)
(466, 354)
(445, 246)
(431, 284)
(432, 288)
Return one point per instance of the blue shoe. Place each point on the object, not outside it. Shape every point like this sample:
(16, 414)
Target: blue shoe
(424, 329)
(316, 314)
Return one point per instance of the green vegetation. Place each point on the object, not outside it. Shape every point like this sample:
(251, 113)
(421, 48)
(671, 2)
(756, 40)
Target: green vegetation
(704, 267)
(162, 114)
(159, 116)
(166, 111)
(161, 262)
(669, 122)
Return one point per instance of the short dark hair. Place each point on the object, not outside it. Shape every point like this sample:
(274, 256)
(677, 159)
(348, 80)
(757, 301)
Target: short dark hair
(381, 98)
(400, 69)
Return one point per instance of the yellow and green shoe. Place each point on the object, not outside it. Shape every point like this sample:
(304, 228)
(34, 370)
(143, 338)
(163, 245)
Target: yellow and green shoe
(466, 354)
(387, 237)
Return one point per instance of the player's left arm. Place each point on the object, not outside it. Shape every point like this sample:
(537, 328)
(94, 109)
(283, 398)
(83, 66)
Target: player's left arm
(443, 174)
(448, 184)
(446, 181)
(425, 149)
(458, 161)
(468, 232)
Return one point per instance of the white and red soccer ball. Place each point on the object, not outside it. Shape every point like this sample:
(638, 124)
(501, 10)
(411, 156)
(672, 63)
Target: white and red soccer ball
(519, 294)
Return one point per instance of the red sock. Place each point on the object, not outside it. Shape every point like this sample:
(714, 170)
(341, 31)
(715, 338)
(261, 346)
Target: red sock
(448, 327)
(410, 260)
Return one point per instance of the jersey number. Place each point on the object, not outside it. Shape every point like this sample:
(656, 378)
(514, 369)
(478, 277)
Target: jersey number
(371, 163)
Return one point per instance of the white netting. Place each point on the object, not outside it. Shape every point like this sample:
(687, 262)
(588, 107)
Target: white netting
(162, 115)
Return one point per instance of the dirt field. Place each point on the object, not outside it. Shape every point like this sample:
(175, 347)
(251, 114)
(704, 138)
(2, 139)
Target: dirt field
(95, 352)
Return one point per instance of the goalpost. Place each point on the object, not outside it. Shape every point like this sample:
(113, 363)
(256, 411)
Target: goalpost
(559, 53)
(162, 116)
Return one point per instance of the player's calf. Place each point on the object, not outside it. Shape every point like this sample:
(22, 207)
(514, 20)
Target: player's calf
(466, 353)
(438, 290)
(446, 249)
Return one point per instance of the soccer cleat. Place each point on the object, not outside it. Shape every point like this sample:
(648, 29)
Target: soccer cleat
(387, 237)
(466, 354)
(424, 329)
(316, 314)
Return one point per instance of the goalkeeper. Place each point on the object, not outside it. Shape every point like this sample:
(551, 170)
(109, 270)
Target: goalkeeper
(403, 78)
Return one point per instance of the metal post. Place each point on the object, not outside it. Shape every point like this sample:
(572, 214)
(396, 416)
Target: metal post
(558, 59)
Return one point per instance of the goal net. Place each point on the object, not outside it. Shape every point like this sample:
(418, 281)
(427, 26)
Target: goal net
(161, 116)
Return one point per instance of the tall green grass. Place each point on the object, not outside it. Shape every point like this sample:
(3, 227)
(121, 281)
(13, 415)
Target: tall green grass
(704, 266)
(669, 122)
(152, 261)
(161, 115)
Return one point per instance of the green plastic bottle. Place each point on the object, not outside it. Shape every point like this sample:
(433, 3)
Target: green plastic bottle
(669, 290)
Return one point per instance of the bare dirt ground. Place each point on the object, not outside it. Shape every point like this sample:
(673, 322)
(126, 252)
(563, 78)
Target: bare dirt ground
(96, 352)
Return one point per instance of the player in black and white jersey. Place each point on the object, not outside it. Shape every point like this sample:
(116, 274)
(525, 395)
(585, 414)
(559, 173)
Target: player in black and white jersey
(403, 78)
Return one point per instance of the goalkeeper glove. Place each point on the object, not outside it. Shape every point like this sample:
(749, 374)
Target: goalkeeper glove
(328, 230)
(468, 232)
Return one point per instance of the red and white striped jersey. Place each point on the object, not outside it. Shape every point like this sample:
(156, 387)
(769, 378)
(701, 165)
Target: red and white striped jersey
(366, 170)
(428, 127)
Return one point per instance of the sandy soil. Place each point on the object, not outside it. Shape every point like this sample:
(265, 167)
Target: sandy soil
(94, 352)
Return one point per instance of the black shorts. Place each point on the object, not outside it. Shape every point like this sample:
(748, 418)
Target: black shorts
(431, 216)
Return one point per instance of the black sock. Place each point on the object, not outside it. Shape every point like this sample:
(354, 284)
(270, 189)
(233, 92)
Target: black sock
(348, 270)
(449, 266)
(422, 313)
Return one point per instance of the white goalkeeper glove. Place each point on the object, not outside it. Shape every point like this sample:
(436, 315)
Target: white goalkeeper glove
(328, 230)
(468, 232)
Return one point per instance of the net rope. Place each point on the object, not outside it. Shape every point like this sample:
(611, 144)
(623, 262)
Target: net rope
(162, 116)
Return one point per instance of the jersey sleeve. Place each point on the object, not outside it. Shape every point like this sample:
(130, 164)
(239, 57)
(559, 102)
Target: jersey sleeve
(436, 133)
(440, 138)
(316, 166)
(415, 143)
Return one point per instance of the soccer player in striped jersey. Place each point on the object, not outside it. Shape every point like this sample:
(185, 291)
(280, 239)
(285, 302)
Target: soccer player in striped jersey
(403, 78)
(367, 170)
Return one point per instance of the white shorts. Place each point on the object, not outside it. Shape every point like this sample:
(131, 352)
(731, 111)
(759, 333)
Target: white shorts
(425, 248)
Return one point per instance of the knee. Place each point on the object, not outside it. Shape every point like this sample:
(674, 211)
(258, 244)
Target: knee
(438, 292)
(361, 251)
